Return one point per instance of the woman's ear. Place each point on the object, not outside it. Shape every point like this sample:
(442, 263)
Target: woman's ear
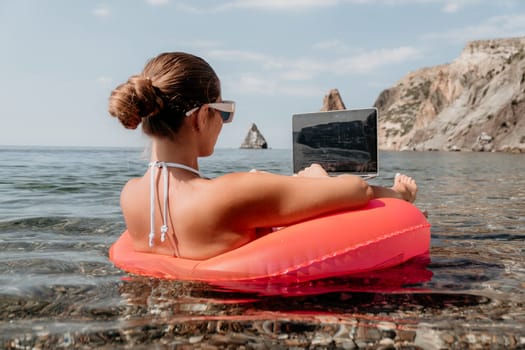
(201, 118)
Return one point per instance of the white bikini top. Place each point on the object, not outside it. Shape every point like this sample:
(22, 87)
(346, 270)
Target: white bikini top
(164, 166)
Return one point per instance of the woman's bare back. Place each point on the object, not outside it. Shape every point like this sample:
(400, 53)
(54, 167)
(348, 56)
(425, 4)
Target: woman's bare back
(194, 229)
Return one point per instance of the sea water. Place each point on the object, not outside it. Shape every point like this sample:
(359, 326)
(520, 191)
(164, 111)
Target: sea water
(59, 214)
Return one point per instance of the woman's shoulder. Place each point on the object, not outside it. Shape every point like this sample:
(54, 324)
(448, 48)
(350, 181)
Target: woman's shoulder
(131, 189)
(132, 183)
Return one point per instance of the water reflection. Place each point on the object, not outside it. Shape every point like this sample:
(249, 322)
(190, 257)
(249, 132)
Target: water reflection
(189, 313)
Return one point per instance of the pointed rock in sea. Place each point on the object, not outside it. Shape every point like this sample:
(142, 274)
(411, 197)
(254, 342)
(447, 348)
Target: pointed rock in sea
(333, 101)
(254, 139)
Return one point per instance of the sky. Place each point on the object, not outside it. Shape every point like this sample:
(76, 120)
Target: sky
(60, 59)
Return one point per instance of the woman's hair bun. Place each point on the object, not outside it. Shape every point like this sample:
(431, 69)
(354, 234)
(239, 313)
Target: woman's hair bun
(135, 99)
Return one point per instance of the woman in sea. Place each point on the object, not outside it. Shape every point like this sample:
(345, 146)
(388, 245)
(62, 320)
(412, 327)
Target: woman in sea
(173, 209)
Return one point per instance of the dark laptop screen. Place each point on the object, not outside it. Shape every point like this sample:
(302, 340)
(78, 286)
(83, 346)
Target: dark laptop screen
(340, 141)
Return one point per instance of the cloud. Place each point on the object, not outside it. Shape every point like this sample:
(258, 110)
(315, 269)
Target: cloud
(328, 44)
(279, 4)
(266, 61)
(453, 6)
(369, 61)
(103, 80)
(230, 55)
(296, 76)
(201, 44)
(448, 6)
(304, 68)
(494, 27)
(334, 45)
(269, 5)
(102, 11)
(157, 2)
(250, 83)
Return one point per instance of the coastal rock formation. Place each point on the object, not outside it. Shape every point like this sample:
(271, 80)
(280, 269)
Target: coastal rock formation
(254, 139)
(477, 102)
(333, 101)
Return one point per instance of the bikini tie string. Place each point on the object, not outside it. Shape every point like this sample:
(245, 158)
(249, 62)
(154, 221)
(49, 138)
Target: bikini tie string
(164, 165)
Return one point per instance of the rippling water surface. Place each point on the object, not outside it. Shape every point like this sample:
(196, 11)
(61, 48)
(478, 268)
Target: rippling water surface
(59, 213)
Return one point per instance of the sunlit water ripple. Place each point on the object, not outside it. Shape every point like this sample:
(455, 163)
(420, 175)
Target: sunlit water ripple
(59, 213)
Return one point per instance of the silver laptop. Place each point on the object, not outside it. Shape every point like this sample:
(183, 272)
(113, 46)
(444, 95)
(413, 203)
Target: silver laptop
(342, 142)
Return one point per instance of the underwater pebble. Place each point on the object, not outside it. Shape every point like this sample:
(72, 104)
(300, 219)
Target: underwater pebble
(449, 339)
(348, 345)
(387, 329)
(320, 339)
(386, 347)
(485, 339)
(386, 326)
(386, 341)
(470, 338)
(428, 338)
(361, 344)
(293, 342)
(208, 347)
(407, 336)
(195, 339)
(341, 331)
(367, 333)
(218, 338)
(391, 334)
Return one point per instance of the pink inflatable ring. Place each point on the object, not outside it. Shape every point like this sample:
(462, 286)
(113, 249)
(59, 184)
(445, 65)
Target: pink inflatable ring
(384, 233)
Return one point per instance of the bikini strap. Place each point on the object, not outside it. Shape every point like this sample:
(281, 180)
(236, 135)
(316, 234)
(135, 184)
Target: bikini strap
(164, 165)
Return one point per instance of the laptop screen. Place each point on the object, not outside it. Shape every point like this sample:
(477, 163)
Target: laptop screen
(342, 141)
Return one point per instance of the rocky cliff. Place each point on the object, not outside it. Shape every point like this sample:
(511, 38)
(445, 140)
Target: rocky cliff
(477, 102)
(254, 139)
(333, 101)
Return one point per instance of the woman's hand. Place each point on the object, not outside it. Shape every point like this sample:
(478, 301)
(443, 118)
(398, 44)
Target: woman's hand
(314, 170)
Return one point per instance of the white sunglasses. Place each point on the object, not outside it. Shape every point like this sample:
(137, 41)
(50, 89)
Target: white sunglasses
(225, 108)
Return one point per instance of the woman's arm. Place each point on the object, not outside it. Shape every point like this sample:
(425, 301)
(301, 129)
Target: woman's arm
(404, 186)
(260, 199)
